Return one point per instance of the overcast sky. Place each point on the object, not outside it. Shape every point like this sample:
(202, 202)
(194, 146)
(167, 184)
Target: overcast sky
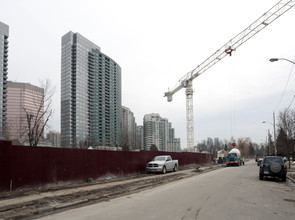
(156, 42)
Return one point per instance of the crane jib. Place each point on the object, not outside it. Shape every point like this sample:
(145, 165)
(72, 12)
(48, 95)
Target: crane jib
(186, 81)
(268, 17)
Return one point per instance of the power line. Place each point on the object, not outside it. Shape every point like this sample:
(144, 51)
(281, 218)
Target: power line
(285, 89)
(291, 103)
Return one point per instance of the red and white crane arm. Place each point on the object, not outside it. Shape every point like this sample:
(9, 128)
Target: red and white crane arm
(268, 17)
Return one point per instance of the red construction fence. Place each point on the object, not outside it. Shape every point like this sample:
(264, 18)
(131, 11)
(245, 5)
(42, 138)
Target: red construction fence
(24, 166)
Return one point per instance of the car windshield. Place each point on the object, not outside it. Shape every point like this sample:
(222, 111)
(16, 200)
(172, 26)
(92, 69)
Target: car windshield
(272, 160)
(159, 159)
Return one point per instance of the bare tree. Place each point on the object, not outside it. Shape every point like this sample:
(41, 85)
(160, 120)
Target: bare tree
(86, 143)
(153, 147)
(244, 146)
(38, 116)
(125, 147)
(270, 145)
(202, 146)
(286, 140)
(282, 143)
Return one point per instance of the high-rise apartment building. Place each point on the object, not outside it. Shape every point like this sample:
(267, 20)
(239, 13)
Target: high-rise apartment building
(174, 146)
(4, 33)
(173, 143)
(128, 128)
(158, 131)
(90, 95)
(209, 142)
(139, 137)
(216, 142)
(151, 127)
(22, 98)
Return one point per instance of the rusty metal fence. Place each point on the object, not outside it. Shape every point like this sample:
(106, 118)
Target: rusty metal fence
(24, 166)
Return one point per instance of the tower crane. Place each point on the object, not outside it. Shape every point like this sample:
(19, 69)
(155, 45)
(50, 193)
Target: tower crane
(227, 49)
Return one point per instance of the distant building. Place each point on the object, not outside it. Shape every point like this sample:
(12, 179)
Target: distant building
(4, 33)
(91, 111)
(177, 145)
(152, 126)
(221, 153)
(53, 137)
(139, 137)
(173, 143)
(216, 142)
(158, 131)
(209, 142)
(174, 146)
(164, 135)
(21, 97)
(128, 128)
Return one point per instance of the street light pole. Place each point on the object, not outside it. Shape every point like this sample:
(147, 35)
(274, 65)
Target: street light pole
(274, 132)
(268, 143)
(274, 121)
(277, 59)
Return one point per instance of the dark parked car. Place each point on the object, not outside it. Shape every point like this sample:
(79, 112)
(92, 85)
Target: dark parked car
(273, 166)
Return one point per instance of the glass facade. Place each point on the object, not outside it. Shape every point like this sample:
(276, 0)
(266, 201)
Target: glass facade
(104, 100)
(128, 129)
(4, 33)
(90, 94)
(159, 131)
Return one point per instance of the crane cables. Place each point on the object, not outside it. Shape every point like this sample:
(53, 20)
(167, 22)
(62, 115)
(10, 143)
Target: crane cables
(232, 90)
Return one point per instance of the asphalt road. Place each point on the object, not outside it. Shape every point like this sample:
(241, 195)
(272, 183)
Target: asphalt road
(229, 193)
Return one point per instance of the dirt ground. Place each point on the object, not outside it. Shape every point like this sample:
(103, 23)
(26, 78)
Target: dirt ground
(37, 202)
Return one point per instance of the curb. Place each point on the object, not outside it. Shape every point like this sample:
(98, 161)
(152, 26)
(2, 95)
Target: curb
(290, 178)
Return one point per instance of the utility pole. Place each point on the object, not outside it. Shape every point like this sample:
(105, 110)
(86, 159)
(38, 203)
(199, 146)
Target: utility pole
(268, 143)
(274, 133)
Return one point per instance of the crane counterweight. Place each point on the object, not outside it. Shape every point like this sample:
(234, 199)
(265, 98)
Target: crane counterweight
(169, 97)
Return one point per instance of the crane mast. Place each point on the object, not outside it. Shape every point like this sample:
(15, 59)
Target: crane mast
(186, 81)
(189, 115)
